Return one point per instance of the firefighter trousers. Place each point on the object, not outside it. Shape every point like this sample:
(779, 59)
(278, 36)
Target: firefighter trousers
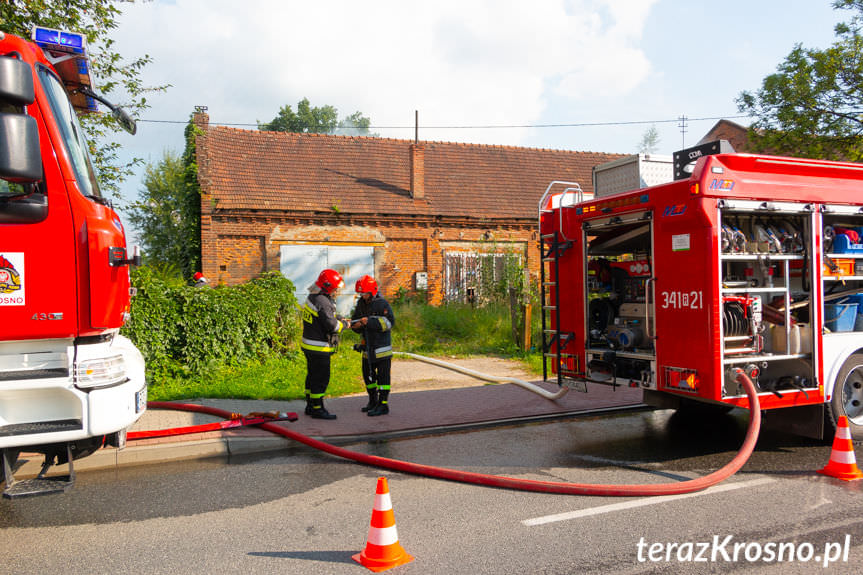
(377, 374)
(317, 373)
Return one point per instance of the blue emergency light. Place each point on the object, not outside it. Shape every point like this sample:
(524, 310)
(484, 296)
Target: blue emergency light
(50, 39)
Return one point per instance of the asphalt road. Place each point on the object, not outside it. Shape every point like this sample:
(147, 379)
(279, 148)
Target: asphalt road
(302, 512)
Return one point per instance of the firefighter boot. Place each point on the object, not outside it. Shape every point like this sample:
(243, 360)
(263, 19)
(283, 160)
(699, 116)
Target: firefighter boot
(382, 408)
(319, 411)
(373, 399)
(308, 403)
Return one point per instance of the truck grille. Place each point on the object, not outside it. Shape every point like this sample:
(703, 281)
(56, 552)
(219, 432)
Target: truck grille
(41, 427)
(33, 374)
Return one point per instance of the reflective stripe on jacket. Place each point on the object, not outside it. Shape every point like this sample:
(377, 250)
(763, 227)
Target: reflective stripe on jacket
(321, 328)
(378, 331)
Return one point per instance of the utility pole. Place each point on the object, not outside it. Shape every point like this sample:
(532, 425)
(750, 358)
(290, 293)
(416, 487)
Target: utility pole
(682, 125)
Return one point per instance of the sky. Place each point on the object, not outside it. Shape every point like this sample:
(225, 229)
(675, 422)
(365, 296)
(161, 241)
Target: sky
(585, 75)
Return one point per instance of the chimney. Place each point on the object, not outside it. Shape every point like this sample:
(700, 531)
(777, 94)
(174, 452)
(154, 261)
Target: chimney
(418, 171)
(201, 118)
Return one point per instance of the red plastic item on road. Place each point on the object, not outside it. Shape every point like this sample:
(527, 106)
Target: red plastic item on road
(382, 550)
(842, 464)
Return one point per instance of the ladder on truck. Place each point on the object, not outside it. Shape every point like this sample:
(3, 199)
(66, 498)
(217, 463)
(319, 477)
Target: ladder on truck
(551, 247)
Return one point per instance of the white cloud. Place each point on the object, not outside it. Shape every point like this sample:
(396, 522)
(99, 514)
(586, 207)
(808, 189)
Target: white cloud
(459, 62)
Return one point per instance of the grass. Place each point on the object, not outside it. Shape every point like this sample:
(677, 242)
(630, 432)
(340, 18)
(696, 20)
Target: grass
(448, 331)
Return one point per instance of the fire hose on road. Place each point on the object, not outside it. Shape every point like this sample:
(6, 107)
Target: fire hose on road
(676, 488)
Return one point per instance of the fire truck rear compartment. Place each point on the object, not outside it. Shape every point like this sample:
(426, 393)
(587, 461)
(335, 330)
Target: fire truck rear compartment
(620, 343)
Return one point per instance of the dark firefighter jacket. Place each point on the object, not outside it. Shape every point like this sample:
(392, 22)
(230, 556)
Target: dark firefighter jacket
(377, 332)
(321, 328)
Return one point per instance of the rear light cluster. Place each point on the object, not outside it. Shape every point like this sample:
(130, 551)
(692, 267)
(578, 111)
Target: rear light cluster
(682, 379)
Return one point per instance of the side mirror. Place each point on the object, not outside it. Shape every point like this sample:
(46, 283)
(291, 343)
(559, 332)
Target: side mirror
(16, 82)
(20, 161)
(125, 120)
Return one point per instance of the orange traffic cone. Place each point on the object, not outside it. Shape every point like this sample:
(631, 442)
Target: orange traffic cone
(842, 464)
(382, 550)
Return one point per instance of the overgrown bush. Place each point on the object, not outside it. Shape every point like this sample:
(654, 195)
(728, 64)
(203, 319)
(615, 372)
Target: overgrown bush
(183, 330)
(456, 329)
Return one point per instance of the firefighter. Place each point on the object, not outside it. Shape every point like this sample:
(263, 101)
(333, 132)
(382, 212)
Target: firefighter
(373, 318)
(321, 328)
(200, 280)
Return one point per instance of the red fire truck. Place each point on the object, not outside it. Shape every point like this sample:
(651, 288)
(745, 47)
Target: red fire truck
(743, 263)
(69, 383)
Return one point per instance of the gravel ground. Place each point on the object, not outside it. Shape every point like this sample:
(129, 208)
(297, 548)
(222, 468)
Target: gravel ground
(414, 375)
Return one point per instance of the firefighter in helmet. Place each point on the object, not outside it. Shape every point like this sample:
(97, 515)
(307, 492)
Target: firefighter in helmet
(321, 328)
(373, 318)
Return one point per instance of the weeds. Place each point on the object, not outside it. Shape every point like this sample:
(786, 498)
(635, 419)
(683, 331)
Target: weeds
(447, 331)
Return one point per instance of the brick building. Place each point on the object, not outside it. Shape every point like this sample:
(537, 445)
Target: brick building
(416, 215)
(733, 132)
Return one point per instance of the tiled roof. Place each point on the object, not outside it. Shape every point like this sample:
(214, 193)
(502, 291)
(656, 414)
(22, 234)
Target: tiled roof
(736, 134)
(249, 169)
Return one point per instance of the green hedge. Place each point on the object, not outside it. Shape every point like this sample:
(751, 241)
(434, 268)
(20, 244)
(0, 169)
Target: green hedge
(183, 331)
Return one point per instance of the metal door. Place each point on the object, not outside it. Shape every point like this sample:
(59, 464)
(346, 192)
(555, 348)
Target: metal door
(302, 263)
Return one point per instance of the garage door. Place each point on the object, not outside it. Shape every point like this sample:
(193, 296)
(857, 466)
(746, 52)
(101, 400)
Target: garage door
(303, 263)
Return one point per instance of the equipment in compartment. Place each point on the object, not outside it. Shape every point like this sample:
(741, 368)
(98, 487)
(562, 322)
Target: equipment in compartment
(846, 240)
(742, 324)
(627, 332)
(609, 367)
(756, 234)
(616, 320)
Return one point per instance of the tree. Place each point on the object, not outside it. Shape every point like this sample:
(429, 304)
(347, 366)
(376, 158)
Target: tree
(157, 214)
(116, 77)
(316, 121)
(168, 211)
(649, 141)
(813, 105)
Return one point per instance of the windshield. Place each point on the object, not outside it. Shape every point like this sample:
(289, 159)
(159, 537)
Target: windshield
(73, 136)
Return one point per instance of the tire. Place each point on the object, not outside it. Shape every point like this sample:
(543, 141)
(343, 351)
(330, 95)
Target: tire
(847, 397)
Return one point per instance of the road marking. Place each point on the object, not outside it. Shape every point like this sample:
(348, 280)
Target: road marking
(642, 502)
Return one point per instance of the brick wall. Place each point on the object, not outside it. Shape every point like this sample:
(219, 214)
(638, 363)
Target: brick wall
(237, 247)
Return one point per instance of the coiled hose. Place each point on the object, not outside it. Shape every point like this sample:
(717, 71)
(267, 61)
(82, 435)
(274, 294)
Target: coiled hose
(676, 488)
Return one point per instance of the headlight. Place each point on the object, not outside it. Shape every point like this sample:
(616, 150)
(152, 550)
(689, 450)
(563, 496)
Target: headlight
(100, 372)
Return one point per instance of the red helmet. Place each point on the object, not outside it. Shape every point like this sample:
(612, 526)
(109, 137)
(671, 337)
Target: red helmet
(367, 284)
(329, 281)
(198, 275)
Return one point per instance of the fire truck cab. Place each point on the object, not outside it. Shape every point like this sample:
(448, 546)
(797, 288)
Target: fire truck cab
(69, 383)
(749, 263)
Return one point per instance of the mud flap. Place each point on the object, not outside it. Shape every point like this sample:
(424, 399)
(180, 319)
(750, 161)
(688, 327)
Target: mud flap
(804, 420)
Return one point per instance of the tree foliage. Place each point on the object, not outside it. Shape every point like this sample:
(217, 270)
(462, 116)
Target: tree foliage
(315, 120)
(114, 77)
(813, 105)
(649, 141)
(168, 211)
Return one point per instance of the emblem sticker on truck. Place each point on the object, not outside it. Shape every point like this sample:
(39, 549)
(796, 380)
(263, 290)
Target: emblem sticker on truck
(12, 279)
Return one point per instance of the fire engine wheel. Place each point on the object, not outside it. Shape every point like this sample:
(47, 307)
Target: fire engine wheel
(848, 395)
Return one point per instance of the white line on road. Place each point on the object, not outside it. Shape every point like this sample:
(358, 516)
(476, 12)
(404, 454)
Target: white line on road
(642, 502)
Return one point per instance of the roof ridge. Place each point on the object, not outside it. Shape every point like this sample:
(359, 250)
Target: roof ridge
(299, 135)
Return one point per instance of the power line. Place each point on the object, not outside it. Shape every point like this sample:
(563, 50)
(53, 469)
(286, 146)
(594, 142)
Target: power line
(490, 126)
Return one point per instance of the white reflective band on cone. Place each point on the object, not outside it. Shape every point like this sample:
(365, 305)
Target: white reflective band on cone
(383, 535)
(383, 502)
(843, 433)
(846, 457)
